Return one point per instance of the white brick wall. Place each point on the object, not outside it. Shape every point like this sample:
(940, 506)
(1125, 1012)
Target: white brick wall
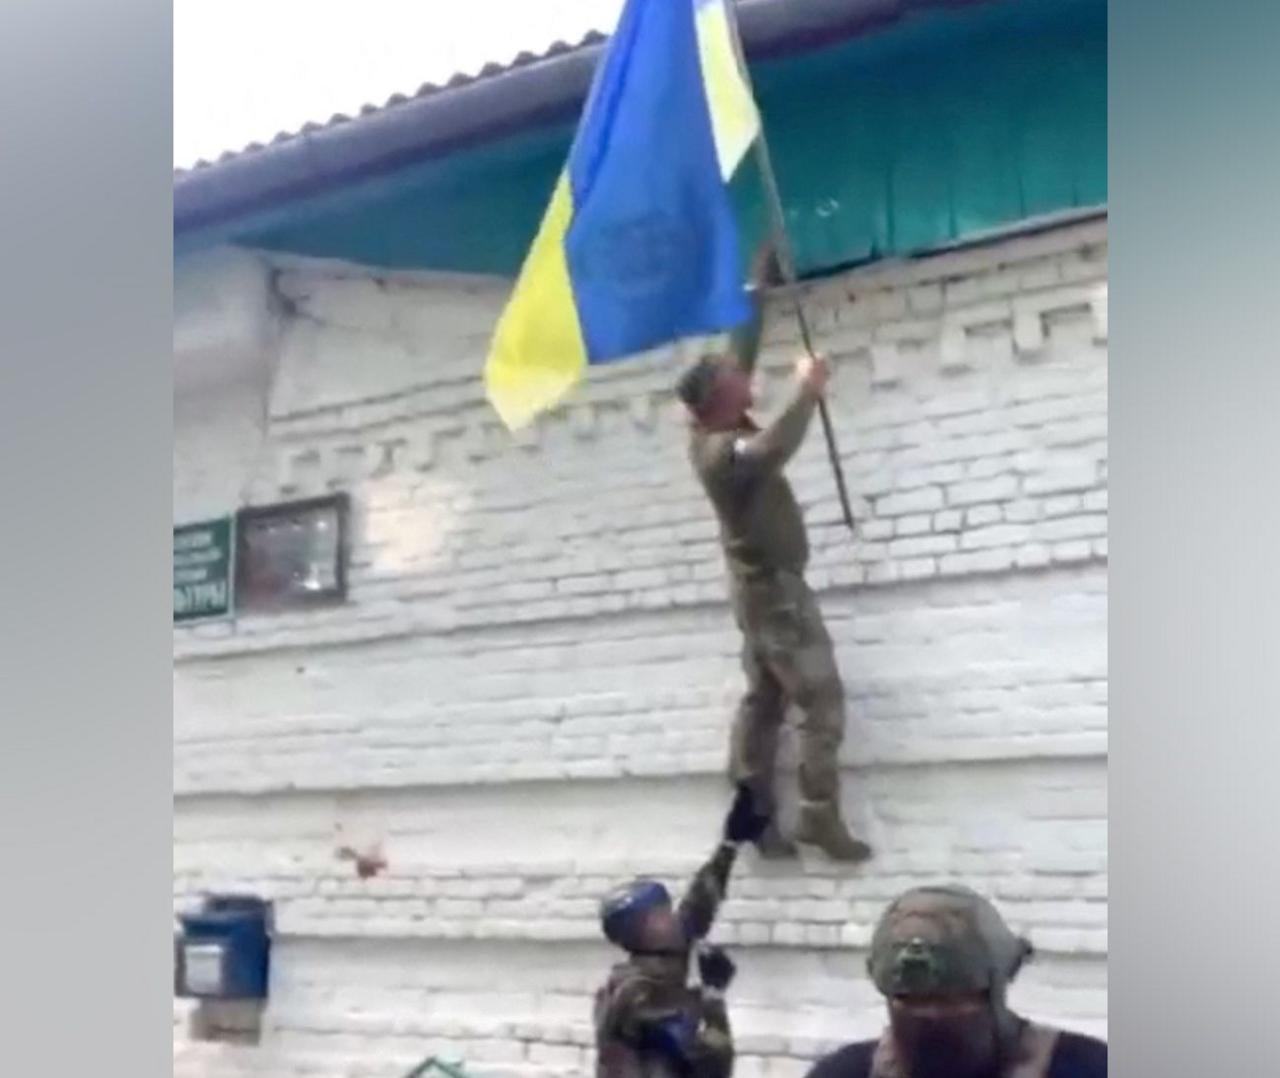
(528, 693)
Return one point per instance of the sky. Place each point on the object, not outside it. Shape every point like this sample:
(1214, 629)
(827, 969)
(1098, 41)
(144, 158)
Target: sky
(244, 70)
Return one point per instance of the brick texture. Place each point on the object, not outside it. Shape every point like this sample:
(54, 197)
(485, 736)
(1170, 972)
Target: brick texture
(527, 695)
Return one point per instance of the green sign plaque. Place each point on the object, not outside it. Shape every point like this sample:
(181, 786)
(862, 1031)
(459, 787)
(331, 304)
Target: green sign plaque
(202, 568)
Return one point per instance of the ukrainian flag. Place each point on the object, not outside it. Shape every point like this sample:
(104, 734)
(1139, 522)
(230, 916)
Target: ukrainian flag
(638, 246)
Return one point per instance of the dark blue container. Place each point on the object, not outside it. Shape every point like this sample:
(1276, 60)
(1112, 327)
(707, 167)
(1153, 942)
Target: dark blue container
(224, 950)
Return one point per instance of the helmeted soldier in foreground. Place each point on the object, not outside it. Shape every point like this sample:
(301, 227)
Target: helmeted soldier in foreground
(944, 958)
(649, 1021)
(787, 653)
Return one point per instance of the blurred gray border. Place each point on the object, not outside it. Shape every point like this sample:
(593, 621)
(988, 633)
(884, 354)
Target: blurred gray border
(85, 769)
(86, 459)
(1194, 538)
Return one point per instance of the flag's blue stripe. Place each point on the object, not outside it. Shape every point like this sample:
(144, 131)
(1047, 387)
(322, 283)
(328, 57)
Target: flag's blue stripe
(652, 248)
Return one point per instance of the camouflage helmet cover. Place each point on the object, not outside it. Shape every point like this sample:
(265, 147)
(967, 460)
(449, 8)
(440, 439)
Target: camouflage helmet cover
(935, 940)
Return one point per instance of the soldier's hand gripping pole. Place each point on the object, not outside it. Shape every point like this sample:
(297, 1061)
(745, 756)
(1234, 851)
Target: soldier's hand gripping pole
(787, 267)
(786, 263)
(833, 451)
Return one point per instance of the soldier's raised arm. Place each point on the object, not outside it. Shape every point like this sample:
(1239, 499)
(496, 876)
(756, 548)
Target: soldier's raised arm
(710, 883)
(744, 342)
(772, 447)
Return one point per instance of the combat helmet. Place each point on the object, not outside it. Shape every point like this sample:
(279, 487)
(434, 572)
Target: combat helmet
(620, 908)
(938, 940)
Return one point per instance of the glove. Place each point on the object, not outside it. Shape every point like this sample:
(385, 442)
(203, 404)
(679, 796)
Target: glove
(743, 823)
(715, 967)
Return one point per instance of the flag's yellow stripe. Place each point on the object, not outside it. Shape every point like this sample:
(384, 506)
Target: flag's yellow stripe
(538, 353)
(734, 119)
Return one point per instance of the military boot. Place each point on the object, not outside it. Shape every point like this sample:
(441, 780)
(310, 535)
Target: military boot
(821, 826)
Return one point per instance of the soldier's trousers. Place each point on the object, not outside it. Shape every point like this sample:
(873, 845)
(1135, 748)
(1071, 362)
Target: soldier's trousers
(788, 658)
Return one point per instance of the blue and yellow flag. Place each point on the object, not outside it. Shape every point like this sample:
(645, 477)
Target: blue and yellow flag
(638, 246)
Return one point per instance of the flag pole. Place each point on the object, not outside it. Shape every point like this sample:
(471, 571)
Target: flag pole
(786, 258)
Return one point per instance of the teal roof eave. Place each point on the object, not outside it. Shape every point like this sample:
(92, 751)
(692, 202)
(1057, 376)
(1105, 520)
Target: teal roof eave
(948, 125)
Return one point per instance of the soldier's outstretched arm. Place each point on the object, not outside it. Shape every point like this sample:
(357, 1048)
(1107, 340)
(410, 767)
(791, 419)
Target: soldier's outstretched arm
(778, 442)
(710, 883)
(745, 340)
(707, 889)
(772, 447)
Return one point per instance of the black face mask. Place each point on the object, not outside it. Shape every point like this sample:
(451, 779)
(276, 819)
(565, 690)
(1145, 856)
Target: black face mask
(964, 1046)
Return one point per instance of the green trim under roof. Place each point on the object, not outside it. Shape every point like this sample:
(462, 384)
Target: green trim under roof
(952, 124)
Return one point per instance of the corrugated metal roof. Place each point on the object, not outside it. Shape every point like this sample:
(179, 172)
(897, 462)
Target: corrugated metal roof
(428, 89)
(767, 26)
(941, 128)
(497, 101)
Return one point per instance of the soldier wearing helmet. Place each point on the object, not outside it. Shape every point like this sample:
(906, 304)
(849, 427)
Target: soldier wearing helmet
(649, 1021)
(943, 958)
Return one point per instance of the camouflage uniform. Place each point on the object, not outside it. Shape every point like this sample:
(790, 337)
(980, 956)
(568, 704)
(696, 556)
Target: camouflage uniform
(935, 941)
(648, 998)
(787, 653)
